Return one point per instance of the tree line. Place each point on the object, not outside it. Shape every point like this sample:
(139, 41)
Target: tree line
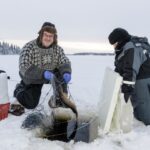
(9, 49)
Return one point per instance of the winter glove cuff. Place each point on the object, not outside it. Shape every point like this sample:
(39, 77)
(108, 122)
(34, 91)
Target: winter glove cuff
(127, 88)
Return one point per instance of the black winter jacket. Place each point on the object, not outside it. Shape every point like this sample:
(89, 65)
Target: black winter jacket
(132, 63)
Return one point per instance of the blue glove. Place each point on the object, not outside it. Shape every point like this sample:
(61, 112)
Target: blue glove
(67, 77)
(48, 75)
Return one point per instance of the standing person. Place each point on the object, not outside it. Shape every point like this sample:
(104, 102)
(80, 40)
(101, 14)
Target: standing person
(40, 60)
(132, 62)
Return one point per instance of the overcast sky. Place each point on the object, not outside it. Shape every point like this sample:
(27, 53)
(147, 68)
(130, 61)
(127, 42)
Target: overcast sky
(76, 20)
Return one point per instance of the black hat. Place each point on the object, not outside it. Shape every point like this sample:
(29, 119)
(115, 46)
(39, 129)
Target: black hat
(118, 35)
(48, 24)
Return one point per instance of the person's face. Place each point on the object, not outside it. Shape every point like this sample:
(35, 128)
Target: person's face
(115, 45)
(47, 39)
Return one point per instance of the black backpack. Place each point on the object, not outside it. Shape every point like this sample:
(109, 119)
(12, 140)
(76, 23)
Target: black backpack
(141, 42)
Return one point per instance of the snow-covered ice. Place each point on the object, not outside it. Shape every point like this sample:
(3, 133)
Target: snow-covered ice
(85, 89)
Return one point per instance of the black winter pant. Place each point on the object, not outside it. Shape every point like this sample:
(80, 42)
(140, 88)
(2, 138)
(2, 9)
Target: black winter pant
(141, 100)
(29, 95)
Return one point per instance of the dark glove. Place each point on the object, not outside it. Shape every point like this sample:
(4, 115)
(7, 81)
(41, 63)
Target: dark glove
(127, 89)
(67, 77)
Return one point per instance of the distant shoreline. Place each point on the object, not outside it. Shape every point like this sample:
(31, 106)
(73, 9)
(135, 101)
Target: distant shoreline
(91, 53)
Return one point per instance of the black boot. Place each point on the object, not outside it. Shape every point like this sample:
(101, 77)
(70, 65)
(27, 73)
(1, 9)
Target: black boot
(16, 109)
(19, 88)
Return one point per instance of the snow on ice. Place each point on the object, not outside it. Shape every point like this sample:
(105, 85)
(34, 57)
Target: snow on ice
(85, 89)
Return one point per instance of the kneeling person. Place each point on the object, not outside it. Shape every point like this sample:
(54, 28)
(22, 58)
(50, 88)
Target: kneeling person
(132, 62)
(40, 60)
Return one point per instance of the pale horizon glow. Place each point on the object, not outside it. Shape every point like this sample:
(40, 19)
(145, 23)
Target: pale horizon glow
(77, 24)
(72, 47)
